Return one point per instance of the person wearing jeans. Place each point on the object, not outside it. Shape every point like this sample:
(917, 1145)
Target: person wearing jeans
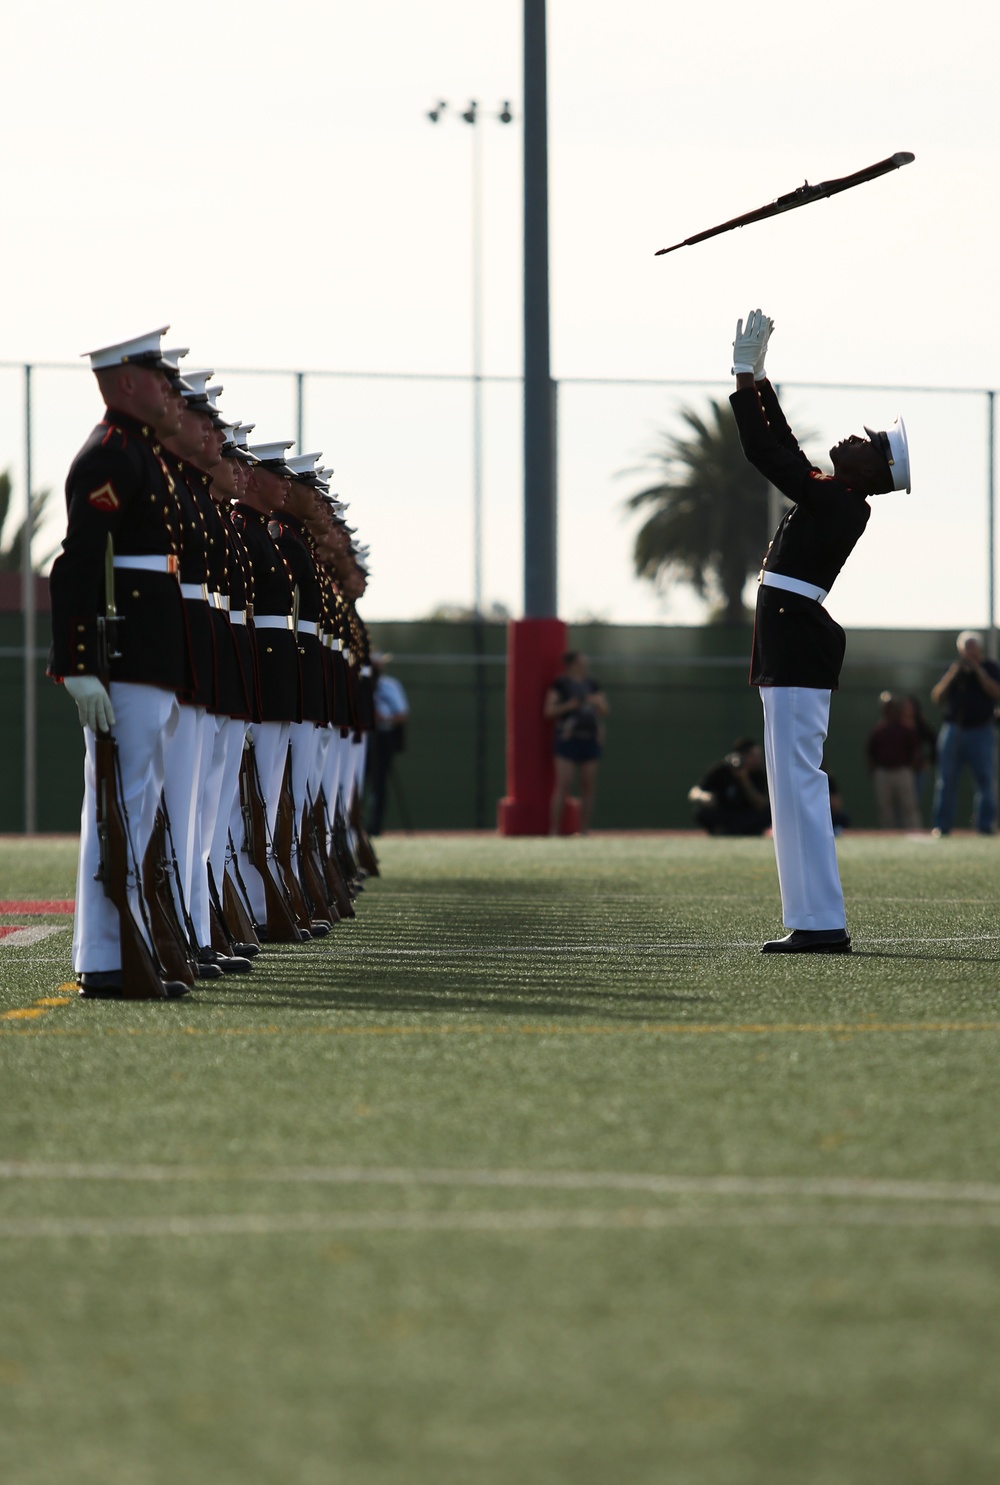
(969, 691)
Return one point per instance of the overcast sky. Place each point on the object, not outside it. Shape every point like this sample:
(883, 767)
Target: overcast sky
(264, 177)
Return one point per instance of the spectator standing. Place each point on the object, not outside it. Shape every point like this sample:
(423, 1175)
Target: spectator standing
(391, 713)
(911, 714)
(969, 691)
(893, 752)
(731, 799)
(578, 706)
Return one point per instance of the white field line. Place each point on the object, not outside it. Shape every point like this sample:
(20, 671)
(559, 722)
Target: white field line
(22, 938)
(527, 1220)
(846, 1188)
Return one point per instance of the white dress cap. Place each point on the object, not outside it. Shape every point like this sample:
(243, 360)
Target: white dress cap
(212, 406)
(143, 349)
(302, 465)
(199, 380)
(170, 360)
(894, 445)
(272, 453)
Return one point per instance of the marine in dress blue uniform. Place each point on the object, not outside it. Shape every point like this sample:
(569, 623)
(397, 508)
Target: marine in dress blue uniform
(119, 485)
(798, 648)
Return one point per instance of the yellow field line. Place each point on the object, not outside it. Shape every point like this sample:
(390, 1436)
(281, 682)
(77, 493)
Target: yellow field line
(720, 1028)
(40, 1007)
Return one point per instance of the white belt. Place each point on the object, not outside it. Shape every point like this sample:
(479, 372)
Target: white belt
(366, 670)
(272, 621)
(791, 585)
(332, 642)
(308, 626)
(148, 564)
(237, 616)
(221, 600)
(194, 590)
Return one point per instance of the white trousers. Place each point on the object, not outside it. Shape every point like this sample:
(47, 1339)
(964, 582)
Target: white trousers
(302, 745)
(796, 720)
(186, 759)
(146, 719)
(317, 774)
(222, 786)
(331, 770)
(352, 778)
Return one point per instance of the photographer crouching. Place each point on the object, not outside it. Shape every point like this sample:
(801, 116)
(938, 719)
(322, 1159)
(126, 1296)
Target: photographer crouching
(731, 799)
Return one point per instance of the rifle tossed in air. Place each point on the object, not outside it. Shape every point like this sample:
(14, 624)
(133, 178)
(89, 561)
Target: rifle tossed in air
(803, 196)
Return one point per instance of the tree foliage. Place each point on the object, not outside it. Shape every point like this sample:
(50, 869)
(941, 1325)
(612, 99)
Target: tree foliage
(706, 515)
(12, 550)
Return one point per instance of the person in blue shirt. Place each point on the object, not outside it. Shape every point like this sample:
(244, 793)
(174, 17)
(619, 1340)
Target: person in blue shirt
(391, 712)
(969, 691)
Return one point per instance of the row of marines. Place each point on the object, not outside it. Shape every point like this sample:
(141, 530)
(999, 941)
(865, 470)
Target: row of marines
(204, 621)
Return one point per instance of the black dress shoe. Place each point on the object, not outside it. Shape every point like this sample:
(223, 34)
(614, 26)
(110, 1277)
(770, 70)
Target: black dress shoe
(245, 951)
(106, 984)
(234, 964)
(811, 941)
(320, 927)
(212, 965)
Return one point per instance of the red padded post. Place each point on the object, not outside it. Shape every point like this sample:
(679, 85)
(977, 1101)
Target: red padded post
(535, 648)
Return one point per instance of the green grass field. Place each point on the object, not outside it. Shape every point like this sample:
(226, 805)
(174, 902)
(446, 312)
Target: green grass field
(535, 1173)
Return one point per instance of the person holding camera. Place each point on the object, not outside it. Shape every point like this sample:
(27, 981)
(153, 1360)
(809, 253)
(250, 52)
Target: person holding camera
(969, 691)
(578, 706)
(731, 799)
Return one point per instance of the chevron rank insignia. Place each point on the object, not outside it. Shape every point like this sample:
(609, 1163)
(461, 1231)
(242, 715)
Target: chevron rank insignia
(105, 497)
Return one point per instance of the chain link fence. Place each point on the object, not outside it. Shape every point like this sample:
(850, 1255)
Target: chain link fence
(402, 448)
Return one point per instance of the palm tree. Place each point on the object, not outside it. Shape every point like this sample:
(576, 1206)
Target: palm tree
(707, 512)
(11, 553)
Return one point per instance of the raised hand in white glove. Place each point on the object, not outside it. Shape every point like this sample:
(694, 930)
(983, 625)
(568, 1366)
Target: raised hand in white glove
(92, 702)
(750, 345)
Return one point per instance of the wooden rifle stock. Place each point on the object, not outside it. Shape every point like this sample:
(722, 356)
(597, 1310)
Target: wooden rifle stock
(337, 887)
(281, 924)
(171, 943)
(313, 876)
(284, 838)
(366, 851)
(141, 974)
(237, 920)
(348, 862)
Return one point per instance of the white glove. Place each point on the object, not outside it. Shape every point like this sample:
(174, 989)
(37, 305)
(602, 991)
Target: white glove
(750, 345)
(92, 702)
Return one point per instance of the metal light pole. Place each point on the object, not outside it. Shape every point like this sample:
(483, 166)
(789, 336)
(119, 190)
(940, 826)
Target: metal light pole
(536, 642)
(540, 561)
(28, 611)
(471, 115)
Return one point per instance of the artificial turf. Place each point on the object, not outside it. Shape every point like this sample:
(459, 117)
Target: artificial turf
(536, 1172)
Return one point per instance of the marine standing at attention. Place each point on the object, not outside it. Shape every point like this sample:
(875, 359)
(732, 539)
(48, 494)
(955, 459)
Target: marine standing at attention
(798, 649)
(119, 487)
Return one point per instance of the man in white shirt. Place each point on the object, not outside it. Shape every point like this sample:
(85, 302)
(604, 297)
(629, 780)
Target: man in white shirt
(391, 712)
